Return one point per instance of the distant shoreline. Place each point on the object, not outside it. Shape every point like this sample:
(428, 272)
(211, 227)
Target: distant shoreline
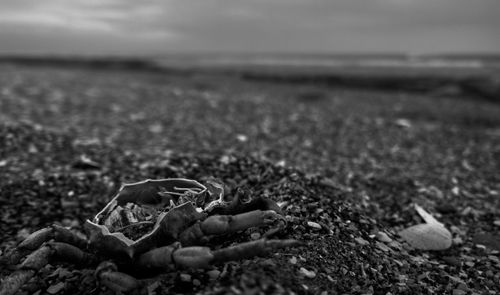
(389, 73)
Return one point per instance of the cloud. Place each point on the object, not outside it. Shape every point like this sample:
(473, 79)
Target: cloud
(251, 25)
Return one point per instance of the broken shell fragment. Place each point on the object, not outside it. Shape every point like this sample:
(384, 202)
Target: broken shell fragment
(148, 214)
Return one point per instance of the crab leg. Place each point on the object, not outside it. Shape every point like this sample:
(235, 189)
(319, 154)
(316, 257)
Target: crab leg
(226, 224)
(37, 238)
(38, 259)
(240, 204)
(203, 257)
(107, 273)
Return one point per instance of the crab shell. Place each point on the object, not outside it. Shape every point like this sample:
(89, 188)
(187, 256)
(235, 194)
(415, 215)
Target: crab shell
(162, 194)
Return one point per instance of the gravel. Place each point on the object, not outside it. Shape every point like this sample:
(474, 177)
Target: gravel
(345, 168)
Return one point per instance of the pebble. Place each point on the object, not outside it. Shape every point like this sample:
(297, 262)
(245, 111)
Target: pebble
(54, 289)
(362, 241)
(242, 138)
(196, 282)
(185, 277)
(383, 237)
(404, 123)
(459, 292)
(213, 274)
(308, 273)
(470, 263)
(255, 236)
(314, 225)
(452, 260)
(383, 247)
(293, 260)
(152, 287)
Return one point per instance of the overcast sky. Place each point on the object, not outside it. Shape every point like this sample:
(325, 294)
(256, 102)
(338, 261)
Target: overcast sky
(163, 26)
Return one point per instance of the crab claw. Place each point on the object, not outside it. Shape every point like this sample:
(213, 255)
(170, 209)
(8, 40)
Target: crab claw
(227, 224)
(261, 247)
(203, 257)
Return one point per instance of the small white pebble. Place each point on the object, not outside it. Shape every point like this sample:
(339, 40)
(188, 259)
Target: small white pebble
(196, 282)
(314, 225)
(308, 273)
(242, 137)
(293, 260)
(404, 123)
(225, 159)
(255, 236)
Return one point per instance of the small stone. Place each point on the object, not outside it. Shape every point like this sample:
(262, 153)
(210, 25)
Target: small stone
(84, 163)
(185, 277)
(213, 274)
(156, 128)
(225, 159)
(293, 260)
(457, 241)
(308, 273)
(255, 236)
(453, 261)
(489, 240)
(54, 289)
(383, 247)
(496, 222)
(404, 123)
(152, 287)
(196, 282)
(459, 292)
(362, 241)
(268, 262)
(314, 225)
(383, 237)
(242, 138)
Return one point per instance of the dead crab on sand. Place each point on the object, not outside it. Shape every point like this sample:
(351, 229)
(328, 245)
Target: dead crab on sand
(152, 226)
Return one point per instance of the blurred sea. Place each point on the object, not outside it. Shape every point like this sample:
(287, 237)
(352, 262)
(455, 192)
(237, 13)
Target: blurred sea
(332, 61)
